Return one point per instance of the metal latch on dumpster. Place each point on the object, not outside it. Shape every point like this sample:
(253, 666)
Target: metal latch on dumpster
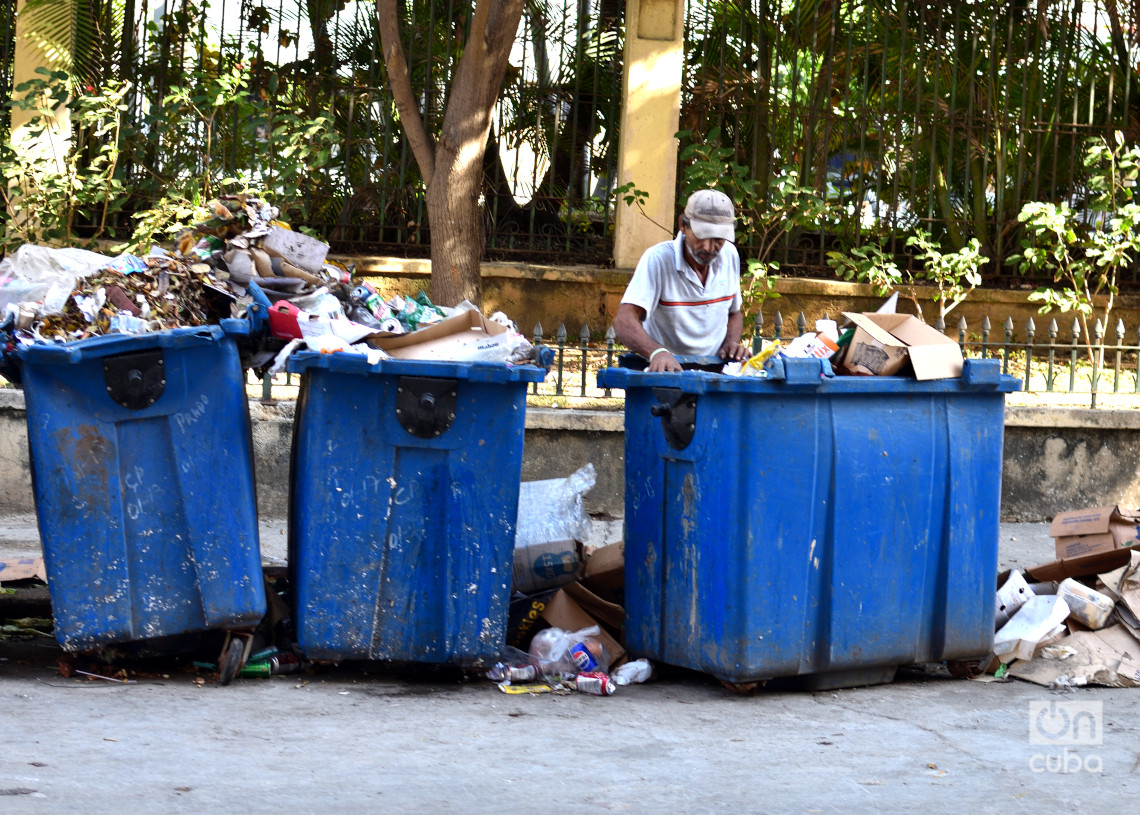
(135, 380)
(425, 407)
(678, 413)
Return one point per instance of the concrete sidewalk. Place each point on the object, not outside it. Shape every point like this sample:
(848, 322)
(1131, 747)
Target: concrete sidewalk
(362, 738)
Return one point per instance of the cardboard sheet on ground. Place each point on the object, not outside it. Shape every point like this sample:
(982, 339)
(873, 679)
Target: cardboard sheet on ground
(1123, 584)
(1109, 657)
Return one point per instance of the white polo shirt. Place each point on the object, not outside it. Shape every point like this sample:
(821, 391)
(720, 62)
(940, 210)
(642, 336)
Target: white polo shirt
(681, 314)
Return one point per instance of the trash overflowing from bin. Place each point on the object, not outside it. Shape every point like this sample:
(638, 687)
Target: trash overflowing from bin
(871, 344)
(566, 620)
(134, 376)
(242, 262)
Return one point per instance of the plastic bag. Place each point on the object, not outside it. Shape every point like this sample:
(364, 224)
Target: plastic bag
(559, 652)
(553, 510)
(633, 673)
(41, 274)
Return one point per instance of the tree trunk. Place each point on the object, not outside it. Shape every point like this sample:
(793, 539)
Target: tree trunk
(456, 222)
(452, 167)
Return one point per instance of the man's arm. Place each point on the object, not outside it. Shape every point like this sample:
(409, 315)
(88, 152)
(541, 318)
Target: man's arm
(731, 350)
(629, 329)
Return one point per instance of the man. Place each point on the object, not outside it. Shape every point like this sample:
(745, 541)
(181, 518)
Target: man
(684, 297)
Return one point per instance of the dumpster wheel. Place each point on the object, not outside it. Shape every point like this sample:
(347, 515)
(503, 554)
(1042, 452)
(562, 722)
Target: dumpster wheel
(231, 661)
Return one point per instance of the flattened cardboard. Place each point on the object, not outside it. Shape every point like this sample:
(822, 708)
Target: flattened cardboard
(465, 337)
(883, 343)
(610, 615)
(1107, 657)
(1078, 567)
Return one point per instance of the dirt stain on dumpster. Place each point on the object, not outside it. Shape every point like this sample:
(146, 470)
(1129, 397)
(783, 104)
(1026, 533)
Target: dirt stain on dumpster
(688, 506)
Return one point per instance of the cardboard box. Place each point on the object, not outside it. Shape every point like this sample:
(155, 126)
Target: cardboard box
(564, 611)
(884, 343)
(466, 337)
(604, 574)
(524, 617)
(1089, 541)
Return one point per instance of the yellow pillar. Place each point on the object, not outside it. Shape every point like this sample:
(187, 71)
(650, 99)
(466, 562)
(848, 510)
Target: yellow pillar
(651, 111)
(52, 145)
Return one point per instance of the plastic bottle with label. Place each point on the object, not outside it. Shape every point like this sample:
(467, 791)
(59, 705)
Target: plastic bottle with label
(1086, 605)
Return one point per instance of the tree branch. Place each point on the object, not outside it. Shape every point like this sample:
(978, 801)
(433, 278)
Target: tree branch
(400, 83)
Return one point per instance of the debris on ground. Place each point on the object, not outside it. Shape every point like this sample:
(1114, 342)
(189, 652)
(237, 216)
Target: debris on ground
(1074, 621)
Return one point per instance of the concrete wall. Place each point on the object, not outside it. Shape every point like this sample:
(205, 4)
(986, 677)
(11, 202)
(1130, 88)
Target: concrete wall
(1054, 459)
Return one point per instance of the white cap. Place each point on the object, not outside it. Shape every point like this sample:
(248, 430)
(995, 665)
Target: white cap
(710, 215)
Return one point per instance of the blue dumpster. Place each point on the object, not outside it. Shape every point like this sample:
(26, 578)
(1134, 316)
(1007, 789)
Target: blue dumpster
(403, 504)
(142, 470)
(830, 528)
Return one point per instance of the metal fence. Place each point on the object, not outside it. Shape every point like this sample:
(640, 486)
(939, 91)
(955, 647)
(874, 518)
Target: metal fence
(911, 113)
(900, 114)
(1098, 371)
(550, 159)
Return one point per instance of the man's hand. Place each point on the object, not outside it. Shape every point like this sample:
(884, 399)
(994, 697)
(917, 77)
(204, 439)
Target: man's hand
(665, 361)
(733, 352)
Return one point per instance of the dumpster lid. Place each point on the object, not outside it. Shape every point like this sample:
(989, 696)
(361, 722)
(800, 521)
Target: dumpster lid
(105, 345)
(357, 364)
(812, 375)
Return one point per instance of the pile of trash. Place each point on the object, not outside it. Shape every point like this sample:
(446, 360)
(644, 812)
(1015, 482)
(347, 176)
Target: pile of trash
(566, 621)
(1074, 621)
(242, 262)
(876, 343)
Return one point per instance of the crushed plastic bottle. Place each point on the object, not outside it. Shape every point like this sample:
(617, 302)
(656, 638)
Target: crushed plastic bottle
(633, 673)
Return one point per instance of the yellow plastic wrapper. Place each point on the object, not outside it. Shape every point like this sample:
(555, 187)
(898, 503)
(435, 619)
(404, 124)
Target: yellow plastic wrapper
(755, 365)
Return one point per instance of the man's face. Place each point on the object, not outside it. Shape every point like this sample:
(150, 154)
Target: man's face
(702, 251)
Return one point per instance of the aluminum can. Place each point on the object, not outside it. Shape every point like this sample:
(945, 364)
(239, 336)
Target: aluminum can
(595, 683)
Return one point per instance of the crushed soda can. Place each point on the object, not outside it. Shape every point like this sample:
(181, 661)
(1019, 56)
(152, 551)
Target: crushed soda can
(512, 673)
(595, 683)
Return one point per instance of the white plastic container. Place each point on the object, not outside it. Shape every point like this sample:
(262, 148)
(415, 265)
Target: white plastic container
(1086, 605)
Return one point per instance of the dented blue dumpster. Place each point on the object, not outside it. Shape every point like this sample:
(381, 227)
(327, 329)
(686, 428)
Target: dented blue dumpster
(809, 525)
(403, 505)
(142, 471)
